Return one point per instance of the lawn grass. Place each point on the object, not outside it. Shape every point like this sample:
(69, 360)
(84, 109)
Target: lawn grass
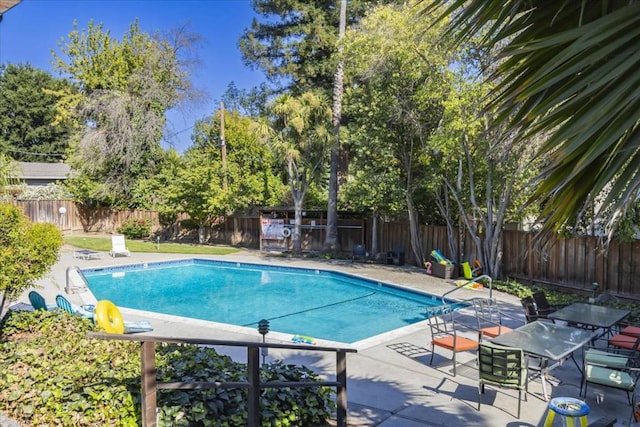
(103, 244)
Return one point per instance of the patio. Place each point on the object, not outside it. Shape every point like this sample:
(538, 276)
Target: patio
(390, 382)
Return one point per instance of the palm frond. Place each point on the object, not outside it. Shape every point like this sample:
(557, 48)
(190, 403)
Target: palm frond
(571, 70)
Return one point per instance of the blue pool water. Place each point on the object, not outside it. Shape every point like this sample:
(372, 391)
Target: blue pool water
(322, 304)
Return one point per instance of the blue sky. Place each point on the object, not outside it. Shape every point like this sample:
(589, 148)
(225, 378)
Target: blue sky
(30, 30)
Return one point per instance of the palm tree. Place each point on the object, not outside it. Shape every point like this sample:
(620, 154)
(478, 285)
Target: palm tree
(301, 137)
(570, 71)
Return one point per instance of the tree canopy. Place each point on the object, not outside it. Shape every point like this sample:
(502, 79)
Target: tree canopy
(126, 88)
(295, 41)
(29, 129)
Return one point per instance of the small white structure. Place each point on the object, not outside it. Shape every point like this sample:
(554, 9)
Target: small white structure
(118, 246)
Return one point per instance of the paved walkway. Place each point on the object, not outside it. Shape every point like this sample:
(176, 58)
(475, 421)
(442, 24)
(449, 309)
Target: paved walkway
(390, 381)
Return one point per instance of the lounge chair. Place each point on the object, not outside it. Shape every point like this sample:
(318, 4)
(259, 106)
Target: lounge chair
(38, 302)
(65, 304)
(118, 246)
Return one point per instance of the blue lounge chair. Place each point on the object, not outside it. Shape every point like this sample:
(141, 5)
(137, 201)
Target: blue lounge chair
(38, 302)
(65, 305)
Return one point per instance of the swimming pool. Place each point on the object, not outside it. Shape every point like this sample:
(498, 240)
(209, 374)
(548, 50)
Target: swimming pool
(319, 303)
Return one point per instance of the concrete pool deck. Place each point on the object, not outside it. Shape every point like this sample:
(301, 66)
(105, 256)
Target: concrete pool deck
(390, 381)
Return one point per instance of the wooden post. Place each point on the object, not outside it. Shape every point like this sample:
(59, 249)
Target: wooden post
(341, 390)
(253, 377)
(149, 391)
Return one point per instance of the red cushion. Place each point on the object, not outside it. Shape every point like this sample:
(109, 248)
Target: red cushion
(633, 331)
(462, 344)
(494, 331)
(624, 341)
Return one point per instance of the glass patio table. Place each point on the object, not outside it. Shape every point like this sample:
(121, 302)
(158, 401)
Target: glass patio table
(590, 315)
(550, 342)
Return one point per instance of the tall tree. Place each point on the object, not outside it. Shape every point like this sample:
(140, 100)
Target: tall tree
(300, 137)
(331, 239)
(399, 80)
(29, 130)
(570, 71)
(486, 175)
(295, 41)
(126, 86)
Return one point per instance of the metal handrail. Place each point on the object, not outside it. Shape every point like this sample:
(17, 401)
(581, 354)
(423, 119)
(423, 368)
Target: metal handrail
(484, 276)
(71, 268)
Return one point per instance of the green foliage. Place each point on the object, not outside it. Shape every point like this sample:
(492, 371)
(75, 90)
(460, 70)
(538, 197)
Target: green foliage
(136, 228)
(52, 374)
(28, 115)
(26, 252)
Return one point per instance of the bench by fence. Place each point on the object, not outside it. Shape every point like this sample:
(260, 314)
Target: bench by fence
(150, 386)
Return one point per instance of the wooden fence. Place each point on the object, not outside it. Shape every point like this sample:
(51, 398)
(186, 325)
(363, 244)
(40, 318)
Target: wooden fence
(571, 264)
(70, 216)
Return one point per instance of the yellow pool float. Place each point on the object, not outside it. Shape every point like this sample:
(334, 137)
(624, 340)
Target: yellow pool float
(108, 317)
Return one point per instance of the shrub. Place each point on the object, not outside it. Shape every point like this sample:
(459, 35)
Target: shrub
(137, 228)
(26, 252)
(52, 374)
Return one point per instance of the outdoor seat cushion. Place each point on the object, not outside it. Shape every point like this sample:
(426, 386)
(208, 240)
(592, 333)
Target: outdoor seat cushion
(494, 331)
(601, 357)
(610, 377)
(623, 341)
(633, 331)
(461, 343)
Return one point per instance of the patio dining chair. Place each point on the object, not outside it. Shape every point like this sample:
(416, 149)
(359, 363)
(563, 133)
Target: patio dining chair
(543, 307)
(625, 342)
(529, 307)
(445, 335)
(613, 370)
(489, 318)
(502, 367)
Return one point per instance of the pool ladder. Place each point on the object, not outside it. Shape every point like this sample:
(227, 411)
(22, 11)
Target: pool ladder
(484, 276)
(75, 288)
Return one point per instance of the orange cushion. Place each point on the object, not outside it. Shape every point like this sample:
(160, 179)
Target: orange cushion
(462, 344)
(494, 331)
(624, 341)
(633, 331)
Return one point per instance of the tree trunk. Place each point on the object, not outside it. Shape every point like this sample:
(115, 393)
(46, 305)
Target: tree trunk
(414, 227)
(297, 227)
(375, 244)
(331, 243)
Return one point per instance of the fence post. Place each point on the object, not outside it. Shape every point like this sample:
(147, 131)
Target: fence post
(253, 377)
(149, 398)
(341, 390)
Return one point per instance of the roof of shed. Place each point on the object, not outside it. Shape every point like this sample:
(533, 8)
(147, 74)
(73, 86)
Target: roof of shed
(6, 5)
(35, 170)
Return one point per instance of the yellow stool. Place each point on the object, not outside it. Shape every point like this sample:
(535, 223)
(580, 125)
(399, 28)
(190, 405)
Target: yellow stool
(567, 407)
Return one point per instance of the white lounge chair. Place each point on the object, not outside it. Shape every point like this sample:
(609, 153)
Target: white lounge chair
(118, 246)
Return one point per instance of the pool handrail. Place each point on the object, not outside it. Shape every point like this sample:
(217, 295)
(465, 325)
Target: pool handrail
(484, 276)
(72, 288)
(150, 386)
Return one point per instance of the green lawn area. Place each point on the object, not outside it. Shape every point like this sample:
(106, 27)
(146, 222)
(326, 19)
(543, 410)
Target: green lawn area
(103, 244)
